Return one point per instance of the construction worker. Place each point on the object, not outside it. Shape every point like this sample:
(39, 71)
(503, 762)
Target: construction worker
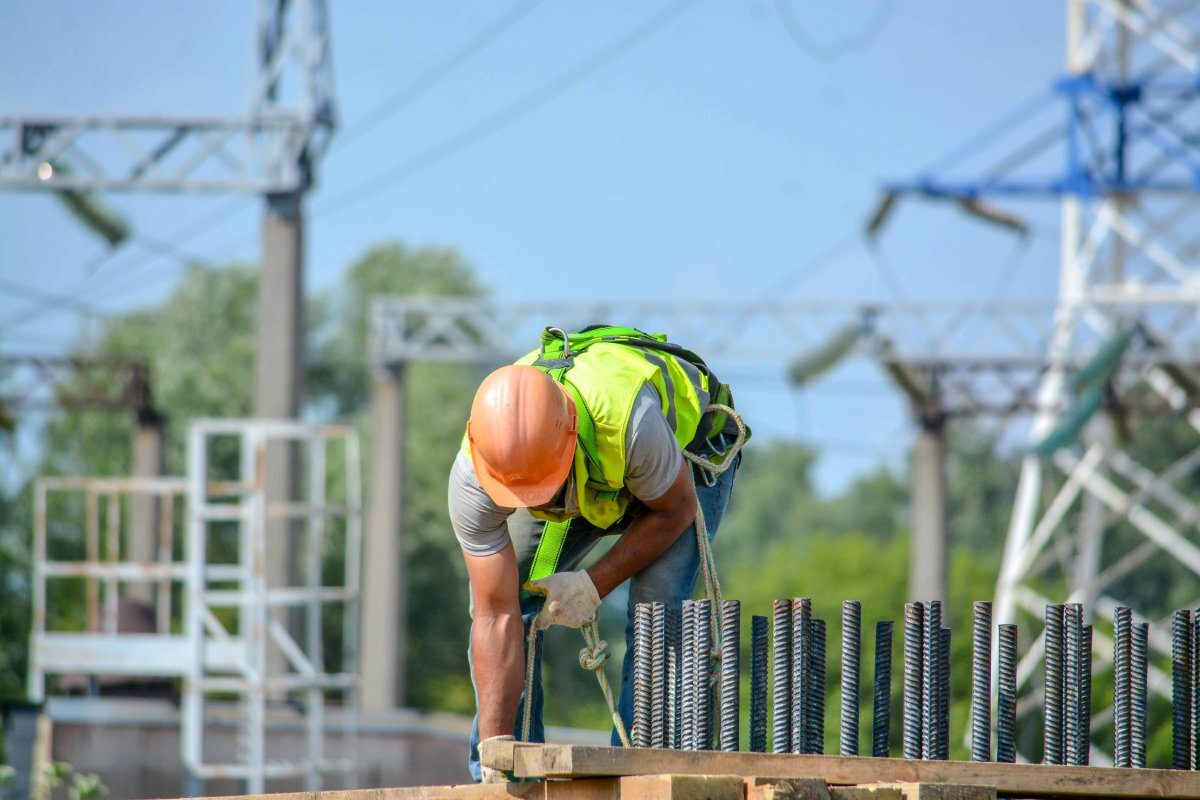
(585, 438)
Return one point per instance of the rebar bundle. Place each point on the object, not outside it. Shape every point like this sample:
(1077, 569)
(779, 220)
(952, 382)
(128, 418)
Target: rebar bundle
(981, 682)
(688, 738)
(801, 667)
(781, 674)
(642, 657)
(1138, 665)
(851, 652)
(882, 706)
(703, 675)
(1074, 735)
(758, 684)
(1085, 697)
(943, 741)
(1181, 690)
(1122, 633)
(659, 707)
(816, 692)
(931, 681)
(914, 649)
(1053, 689)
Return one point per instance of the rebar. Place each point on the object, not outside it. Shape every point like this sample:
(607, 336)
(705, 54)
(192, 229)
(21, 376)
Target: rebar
(882, 696)
(1195, 715)
(1181, 690)
(930, 703)
(674, 676)
(642, 652)
(1006, 694)
(781, 676)
(658, 675)
(704, 675)
(914, 648)
(981, 682)
(1053, 689)
(851, 655)
(730, 687)
(1122, 630)
(1137, 710)
(758, 684)
(815, 716)
(943, 742)
(687, 683)
(801, 664)
(1072, 676)
(1085, 697)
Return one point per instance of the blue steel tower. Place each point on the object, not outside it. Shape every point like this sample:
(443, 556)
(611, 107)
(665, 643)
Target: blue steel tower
(1125, 167)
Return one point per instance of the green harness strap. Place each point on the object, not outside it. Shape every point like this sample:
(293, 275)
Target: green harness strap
(549, 548)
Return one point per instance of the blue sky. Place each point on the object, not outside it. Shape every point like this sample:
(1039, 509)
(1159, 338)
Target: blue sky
(712, 161)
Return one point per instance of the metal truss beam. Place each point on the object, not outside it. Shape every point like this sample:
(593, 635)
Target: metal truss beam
(106, 384)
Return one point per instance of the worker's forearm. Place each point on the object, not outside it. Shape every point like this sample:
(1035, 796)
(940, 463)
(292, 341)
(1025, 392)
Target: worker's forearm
(498, 658)
(646, 539)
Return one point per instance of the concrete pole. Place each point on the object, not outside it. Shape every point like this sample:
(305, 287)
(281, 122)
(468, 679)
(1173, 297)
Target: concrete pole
(142, 544)
(279, 380)
(384, 634)
(927, 559)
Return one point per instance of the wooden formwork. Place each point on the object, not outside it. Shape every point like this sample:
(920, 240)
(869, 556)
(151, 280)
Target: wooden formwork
(578, 772)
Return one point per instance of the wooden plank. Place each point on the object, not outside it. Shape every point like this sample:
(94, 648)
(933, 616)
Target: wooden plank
(945, 791)
(787, 789)
(580, 789)
(682, 787)
(1019, 780)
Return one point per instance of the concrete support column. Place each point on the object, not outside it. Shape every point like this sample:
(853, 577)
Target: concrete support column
(927, 559)
(142, 543)
(385, 584)
(279, 380)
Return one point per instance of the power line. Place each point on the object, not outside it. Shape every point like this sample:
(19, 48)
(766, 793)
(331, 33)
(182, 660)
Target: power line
(432, 76)
(812, 267)
(497, 121)
(861, 40)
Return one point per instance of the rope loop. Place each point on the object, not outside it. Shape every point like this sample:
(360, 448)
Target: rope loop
(594, 658)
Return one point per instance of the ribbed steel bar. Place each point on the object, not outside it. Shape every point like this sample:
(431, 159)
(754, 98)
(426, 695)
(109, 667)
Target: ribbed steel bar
(1122, 632)
(851, 657)
(658, 675)
(981, 682)
(758, 683)
(801, 665)
(642, 654)
(930, 703)
(882, 696)
(781, 676)
(1138, 664)
(689, 666)
(943, 743)
(674, 676)
(1181, 690)
(1053, 689)
(1006, 694)
(815, 717)
(1085, 697)
(1072, 681)
(731, 669)
(1195, 646)
(914, 650)
(704, 675)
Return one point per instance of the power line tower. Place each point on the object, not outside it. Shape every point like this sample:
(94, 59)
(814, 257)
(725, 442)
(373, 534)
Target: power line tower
(271, 150)
(1126, 317)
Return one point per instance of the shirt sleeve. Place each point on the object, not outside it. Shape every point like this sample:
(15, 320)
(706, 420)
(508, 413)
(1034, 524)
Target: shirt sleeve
(652, 456)
(480, 525)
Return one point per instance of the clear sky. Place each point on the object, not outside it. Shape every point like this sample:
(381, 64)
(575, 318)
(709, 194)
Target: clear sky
(716, 159)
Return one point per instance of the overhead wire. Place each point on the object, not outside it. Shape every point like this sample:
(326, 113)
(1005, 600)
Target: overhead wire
(493, 123)
(431, 77)
(855, 42)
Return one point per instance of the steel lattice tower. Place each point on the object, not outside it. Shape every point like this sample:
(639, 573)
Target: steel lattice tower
(1125, 323)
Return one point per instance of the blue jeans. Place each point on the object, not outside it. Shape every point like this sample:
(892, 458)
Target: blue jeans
(670, 579)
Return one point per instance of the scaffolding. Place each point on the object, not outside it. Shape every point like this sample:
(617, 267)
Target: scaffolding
(217, 624)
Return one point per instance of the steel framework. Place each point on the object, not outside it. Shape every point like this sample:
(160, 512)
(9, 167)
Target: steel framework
(1128, 262)
(217, 616)
(271, 149)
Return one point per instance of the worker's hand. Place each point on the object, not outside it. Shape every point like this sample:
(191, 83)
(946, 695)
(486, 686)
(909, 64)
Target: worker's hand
(571, 599)
(491, 774)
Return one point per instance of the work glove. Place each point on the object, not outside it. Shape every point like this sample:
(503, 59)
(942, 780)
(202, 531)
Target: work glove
(491, 774)
(571, 599)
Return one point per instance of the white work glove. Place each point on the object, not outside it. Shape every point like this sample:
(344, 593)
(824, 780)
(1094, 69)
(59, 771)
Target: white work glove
(571, 599)
(491, 774)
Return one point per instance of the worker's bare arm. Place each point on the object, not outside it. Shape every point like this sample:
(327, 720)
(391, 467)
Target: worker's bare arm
(497, 648)
(649, 535)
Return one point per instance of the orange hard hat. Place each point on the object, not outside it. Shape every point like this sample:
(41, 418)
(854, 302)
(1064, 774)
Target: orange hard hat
(522, 432)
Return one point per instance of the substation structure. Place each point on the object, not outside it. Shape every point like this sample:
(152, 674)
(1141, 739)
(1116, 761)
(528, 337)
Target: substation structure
(1123, 163)
(202, 609)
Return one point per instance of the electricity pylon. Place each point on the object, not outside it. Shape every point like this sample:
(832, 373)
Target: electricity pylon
(1125, 323)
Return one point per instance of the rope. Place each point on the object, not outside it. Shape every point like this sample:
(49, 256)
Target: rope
(595, 653)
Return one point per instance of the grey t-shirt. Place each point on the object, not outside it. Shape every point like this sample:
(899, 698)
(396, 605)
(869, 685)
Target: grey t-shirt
(652, 461)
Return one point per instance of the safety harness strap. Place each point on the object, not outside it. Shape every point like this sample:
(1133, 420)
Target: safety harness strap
(549, 548)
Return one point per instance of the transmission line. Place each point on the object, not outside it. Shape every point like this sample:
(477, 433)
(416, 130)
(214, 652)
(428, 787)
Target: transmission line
(861, 40)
